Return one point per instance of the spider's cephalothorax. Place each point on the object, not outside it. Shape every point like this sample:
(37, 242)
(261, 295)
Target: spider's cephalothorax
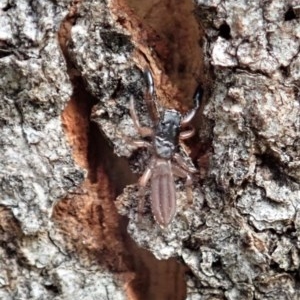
(166, 134)
(165, 162)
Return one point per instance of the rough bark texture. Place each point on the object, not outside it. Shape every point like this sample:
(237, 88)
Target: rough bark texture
(68, 70)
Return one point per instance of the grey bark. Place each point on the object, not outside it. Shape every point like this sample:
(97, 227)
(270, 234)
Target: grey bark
(240, 237)
(36, 166)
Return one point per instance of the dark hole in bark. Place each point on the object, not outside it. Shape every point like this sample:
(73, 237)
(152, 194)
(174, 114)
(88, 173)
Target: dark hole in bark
(271, 162)
(4, 53)
(284, 71)
(53, 288)
(290, 15)
(116, 42)
(224, 31)
(8, 7)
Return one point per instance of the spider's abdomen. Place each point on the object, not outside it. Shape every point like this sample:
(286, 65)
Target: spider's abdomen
(163, 197)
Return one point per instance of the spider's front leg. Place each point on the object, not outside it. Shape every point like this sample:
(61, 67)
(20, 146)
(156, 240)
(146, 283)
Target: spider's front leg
(150, 97)
(191, 114)
(142, 130)
(184, 135)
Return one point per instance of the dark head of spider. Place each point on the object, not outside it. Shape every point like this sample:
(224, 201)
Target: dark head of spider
(166, 134)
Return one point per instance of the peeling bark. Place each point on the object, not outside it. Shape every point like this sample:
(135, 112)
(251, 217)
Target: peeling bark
(68, 70)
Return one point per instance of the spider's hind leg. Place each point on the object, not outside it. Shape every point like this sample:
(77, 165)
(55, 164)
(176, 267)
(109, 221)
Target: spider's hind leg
(143, 181)
(183, 170)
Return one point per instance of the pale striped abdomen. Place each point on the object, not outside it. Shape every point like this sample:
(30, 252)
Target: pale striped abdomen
(163, 197)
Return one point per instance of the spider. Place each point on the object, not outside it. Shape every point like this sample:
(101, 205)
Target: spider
(166, 161)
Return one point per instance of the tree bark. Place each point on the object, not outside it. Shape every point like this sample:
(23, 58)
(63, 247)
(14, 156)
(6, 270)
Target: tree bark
(68, 176)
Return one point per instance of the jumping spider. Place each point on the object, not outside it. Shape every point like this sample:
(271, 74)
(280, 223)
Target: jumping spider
(165, 161)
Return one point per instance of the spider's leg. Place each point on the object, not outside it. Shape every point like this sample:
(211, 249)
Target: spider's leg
(184, 135)
(150, 97)
(182, 163)
(143, 131)
(180, 172)
(183, 170)
(143, 181)
(140, 144)
(190, 115)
